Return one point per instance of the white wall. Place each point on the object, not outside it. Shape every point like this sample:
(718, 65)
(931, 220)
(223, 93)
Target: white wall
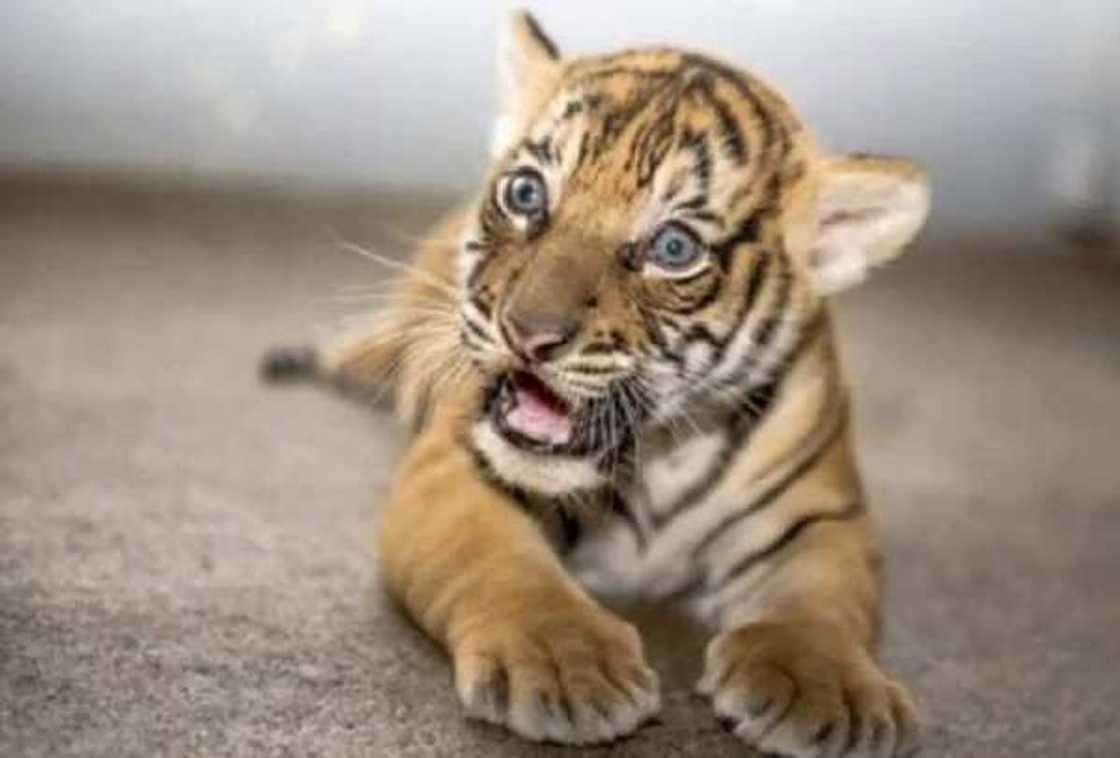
(375, 92)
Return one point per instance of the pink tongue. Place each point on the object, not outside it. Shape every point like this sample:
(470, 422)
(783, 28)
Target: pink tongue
(538, 418)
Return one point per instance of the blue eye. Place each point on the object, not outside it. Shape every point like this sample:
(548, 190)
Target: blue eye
(526, 194)
(674, 248)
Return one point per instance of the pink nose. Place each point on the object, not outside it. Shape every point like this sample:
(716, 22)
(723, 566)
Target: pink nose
(538, 337)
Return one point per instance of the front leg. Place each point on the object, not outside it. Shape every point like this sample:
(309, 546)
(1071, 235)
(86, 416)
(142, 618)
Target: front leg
(793, 669)
(531, 650)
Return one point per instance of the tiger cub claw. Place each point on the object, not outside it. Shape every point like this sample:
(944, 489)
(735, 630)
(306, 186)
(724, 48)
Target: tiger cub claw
(576, 681)
(804, 692)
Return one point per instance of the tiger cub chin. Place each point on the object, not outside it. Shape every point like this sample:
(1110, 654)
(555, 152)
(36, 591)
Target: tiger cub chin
(620, 364)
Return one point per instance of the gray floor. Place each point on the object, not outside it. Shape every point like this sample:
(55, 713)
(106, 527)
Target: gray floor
(184, 555)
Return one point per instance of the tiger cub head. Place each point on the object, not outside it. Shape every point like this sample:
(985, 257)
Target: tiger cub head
(658, 229)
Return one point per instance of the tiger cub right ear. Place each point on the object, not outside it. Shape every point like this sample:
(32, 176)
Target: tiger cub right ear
(528, 65)
(867, 209)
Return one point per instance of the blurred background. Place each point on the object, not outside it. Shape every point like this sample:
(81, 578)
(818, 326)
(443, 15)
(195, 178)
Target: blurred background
(185, 562)
(1012, 104)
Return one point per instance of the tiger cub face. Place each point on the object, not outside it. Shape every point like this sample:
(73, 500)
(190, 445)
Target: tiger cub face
(657, 231)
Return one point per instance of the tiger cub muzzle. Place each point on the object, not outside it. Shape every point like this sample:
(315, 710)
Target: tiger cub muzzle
(543, 323)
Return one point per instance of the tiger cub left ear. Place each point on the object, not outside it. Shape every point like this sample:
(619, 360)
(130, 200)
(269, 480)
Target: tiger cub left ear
(867, 209)
(528, 66)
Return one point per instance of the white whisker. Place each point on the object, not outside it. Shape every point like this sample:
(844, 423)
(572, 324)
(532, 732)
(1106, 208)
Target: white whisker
(407, 268)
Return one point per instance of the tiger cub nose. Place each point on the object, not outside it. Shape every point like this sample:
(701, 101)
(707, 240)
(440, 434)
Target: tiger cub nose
(539, 337)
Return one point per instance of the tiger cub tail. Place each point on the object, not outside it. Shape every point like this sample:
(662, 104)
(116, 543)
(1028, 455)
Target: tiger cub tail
(403, 348)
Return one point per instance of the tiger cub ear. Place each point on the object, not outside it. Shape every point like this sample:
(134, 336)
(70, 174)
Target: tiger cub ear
(867, 209)
(528, 65)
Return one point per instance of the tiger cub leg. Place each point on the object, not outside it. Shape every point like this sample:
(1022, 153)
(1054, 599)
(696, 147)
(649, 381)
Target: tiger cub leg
(530, 649)
(793, 668)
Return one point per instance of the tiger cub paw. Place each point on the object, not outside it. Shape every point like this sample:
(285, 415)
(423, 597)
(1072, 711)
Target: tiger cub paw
(576, 678)
(801, 691)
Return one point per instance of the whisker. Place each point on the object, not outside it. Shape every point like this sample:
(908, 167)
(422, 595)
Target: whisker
(393, 309)
(388, 262)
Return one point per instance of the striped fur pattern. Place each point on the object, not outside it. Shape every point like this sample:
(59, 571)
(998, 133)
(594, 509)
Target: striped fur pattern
(705, 458)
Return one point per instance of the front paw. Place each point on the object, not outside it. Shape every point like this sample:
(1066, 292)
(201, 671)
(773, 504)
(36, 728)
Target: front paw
(806, 691)
(575, 676)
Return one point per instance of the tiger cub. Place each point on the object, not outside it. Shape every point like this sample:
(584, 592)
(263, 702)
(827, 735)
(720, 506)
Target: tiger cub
(620, 366)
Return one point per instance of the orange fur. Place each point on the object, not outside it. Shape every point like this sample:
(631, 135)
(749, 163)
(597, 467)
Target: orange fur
(789, 585)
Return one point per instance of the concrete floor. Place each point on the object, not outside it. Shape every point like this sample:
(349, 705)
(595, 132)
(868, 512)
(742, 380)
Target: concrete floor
(184, 554)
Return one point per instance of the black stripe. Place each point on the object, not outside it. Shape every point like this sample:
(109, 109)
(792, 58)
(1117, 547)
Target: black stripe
(746, 304)
(571, 110)
(598, 348)
(491, 477)
(682, 281)
(749, 561)
(540, 149)
(764, 333)
(478, 270)
(654, 144)
(566, 528)
(492, 219)
(584, 150)
(470, 342)
(746, 308)
(773, 493)
(705, 484)
(614, 123)
(477, 331)
(746, 232)
(697, 144)
(704, 215)
(758, 271)
(809, 328)
(622, 508)
(776, 143)
(480, 299)
(608, 71)
(740, 425)
(701, 333)
(754, 406)
(657, 338)
(672, 323)
(733, 142)
(735, 435)
(731, 135)
(694, 203)
(709, 296)
(766, 330)
(541, 38)
(571, 528)
(770, 123)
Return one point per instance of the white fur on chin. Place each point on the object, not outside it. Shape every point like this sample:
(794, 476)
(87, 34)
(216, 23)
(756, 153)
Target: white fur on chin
(546, 474)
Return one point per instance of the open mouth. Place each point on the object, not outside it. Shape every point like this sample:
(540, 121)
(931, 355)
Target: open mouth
(529, 412)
